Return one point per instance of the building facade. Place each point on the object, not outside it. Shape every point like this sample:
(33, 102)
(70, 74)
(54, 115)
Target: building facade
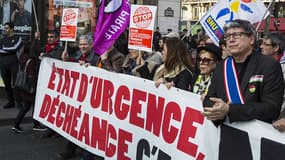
(171, 14)
(193, 10)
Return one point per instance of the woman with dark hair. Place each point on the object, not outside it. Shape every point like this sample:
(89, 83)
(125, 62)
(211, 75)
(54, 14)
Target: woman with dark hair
(177, 68)
(208, 56)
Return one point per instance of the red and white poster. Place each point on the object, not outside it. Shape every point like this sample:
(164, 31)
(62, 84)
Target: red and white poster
(86, 16)
(142, 27)
(119, 117)
(69, 24)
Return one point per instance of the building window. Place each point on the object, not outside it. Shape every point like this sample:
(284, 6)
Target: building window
(195, 12)
(184, 12)
(280, 14)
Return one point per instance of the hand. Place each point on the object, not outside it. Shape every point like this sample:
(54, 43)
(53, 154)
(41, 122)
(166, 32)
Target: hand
(169, 84)
(41, 55)
(81, 62)
(140, 60)
(279, 125)
(64, 55)
(37, 35)
(87, 64)
(203, 97)
(158, 82)
(219, 110)
(14, 14)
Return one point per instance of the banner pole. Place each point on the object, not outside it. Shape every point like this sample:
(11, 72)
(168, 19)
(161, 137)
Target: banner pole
(259, 23)
(36, 17)
(197, 23)
(189, 31)
(65, 46)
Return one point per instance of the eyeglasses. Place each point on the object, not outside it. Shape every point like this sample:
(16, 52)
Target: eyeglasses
(235, 35)
(267, 44)
(205, 60)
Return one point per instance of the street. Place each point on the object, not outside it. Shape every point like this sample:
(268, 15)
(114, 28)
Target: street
(29, 145)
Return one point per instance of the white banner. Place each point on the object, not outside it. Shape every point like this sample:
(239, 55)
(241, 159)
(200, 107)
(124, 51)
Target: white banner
(228, 10)
(259, 131)
(119, 116)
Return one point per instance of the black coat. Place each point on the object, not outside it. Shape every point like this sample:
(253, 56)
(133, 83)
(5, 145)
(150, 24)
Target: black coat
(264, 102)
(32, 74)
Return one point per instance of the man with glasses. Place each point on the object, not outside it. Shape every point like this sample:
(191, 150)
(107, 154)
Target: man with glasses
(52, 49)
(274, 45)
(245, 86)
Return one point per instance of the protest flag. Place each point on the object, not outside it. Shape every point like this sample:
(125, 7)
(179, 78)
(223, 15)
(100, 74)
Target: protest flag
(228, 10)
(113, 19)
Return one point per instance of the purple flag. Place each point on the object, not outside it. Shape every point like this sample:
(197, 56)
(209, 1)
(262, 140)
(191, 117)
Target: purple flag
(113, 19)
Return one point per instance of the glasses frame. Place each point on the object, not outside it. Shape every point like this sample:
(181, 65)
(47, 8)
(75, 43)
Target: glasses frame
(267, 44)
(235, 35)
(205, 60)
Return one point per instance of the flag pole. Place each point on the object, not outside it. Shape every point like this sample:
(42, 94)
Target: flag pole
(259, 23)
(197, 22)
(36, 17)
(189, 31)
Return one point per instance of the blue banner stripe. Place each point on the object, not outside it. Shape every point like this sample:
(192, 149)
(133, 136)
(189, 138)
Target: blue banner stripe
(232, 82)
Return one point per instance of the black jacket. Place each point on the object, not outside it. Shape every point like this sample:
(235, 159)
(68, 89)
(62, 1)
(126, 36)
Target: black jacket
(263, 99)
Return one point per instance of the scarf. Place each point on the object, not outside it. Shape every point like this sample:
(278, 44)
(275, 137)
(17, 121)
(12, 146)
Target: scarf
(51, 46)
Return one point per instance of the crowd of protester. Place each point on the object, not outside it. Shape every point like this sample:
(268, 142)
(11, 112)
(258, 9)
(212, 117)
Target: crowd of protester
(189, 62)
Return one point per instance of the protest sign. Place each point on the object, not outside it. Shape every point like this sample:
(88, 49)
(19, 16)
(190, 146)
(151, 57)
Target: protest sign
(69, 24)
(86, 16)
(142, 27)
(119, 116)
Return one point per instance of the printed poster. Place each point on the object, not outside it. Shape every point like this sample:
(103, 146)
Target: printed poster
(86, 18)
(142, 27)
(20, 13)
(69, 24)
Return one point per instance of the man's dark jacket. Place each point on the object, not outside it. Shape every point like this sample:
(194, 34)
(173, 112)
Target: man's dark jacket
(263, 97)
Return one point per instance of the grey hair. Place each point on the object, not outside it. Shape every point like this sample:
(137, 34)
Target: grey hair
(86, 37)
(239, 23)
(277, 39)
